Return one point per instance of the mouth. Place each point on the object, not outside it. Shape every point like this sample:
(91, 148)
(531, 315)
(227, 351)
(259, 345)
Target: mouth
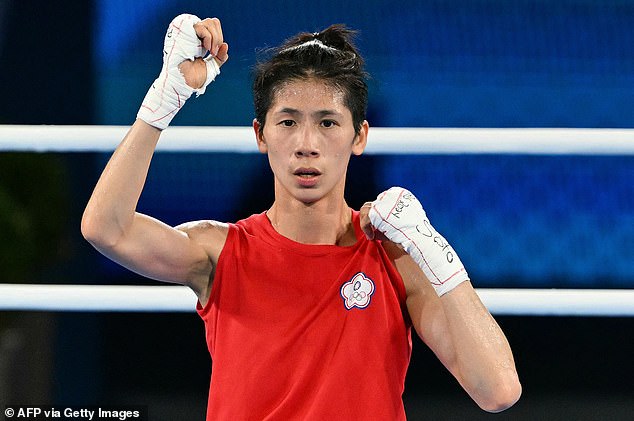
(307, 172)
(307, 177)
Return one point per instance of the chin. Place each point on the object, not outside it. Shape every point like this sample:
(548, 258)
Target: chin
(308, 196)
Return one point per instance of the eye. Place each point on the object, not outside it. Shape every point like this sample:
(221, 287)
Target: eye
(328, 123)
(287, 123)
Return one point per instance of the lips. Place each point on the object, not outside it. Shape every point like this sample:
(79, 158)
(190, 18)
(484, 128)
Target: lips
(307, 177)
(307, 172)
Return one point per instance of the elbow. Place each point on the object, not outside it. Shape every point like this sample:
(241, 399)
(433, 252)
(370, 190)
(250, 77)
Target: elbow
(90, 227)
(94, 232)
(504, 396)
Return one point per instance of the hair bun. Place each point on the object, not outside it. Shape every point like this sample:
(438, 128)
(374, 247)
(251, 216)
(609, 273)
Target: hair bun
(338, 36)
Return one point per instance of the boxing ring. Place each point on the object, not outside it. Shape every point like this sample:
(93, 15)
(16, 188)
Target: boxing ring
(131, 298)
(167, 298)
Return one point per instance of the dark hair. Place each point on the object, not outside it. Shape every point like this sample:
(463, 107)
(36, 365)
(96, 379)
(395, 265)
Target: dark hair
(329, 55)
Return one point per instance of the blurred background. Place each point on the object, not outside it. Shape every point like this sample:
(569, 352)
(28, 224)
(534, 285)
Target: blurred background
(521, 221)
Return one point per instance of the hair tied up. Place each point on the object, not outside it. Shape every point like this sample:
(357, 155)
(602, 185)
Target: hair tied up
(312, 42)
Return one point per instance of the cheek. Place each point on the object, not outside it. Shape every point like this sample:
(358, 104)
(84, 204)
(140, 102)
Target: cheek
(342, 160)
(278, 159)
(276, 151)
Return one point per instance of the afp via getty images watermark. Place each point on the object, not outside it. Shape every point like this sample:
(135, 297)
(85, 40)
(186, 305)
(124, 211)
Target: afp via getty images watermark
(84, 413)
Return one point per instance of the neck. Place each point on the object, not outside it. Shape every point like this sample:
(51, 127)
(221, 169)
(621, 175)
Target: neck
(321, 222)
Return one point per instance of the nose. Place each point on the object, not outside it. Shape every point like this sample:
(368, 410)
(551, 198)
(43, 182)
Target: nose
(307, 144)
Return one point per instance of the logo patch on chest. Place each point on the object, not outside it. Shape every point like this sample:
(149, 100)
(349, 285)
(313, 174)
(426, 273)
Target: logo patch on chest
(357, 291)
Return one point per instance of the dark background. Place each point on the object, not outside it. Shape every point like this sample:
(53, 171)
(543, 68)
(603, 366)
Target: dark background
(517, 221)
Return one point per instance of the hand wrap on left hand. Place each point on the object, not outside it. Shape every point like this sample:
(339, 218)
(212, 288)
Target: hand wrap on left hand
(400, 217)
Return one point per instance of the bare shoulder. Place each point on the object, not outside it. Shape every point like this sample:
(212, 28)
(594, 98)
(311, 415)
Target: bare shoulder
(208, 233)
(203, 227)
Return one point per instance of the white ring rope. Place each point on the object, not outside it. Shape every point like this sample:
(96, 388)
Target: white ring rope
(101, 298)
(382, 140)
(129, 298)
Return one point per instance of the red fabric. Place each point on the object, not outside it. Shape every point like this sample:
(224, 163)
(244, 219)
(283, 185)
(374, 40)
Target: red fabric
(290, 339)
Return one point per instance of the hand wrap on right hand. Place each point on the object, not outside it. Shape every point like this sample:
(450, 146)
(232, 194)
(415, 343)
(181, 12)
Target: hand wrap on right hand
(169, 91)
(401, 218)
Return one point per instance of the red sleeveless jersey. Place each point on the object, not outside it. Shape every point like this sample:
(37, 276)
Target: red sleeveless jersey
(308, 332)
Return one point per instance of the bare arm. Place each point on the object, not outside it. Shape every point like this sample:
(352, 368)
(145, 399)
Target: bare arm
(448, 316)
(139, 242)
(185, 254)
(462, 333)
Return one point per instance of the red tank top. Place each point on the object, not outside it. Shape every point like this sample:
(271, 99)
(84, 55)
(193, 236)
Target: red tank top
(310, 332)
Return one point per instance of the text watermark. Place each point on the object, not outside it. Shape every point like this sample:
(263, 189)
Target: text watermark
(75, 413)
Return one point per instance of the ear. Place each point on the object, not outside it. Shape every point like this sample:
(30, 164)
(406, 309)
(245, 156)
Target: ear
(361, 139)
(262, 146)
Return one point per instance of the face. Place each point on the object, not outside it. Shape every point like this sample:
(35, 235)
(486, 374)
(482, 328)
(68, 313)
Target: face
(309, 137)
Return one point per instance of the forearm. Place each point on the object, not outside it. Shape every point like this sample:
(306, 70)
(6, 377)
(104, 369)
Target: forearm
(482, 358)
(446, 311)
(111, 208)
(462, 333)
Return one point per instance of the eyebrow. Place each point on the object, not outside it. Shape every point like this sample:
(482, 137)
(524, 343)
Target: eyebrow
(320, 113)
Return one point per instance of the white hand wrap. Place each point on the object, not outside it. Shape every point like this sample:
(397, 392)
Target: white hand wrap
(401, 218)
(169, 91)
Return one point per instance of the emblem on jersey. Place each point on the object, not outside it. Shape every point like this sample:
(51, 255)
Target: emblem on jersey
(357, 291)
